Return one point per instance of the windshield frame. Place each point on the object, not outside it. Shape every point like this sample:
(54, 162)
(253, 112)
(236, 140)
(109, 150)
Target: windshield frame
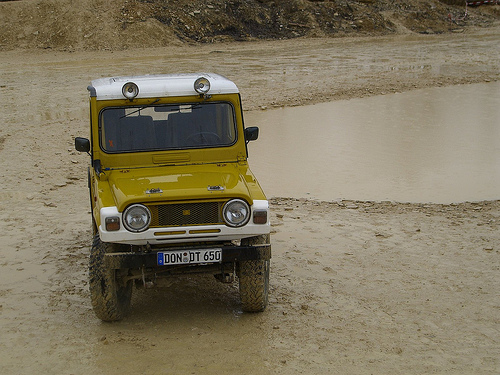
(231, 119)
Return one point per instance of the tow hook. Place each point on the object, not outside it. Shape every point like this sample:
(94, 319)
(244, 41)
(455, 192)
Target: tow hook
(225, 277)
(148, 284)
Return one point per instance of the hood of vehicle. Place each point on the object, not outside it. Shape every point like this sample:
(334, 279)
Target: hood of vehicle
(179, 183)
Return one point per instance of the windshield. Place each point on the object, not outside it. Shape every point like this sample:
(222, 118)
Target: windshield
(164, 127)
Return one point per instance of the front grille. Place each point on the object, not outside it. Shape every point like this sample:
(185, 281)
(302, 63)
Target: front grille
(183, 214)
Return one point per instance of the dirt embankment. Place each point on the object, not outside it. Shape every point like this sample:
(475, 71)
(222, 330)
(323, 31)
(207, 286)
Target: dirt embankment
(123, 24)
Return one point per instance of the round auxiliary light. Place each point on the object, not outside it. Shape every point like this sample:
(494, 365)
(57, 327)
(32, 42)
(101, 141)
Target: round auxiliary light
(136, 218)
(236, 213)
(130, 90)
(202, 85)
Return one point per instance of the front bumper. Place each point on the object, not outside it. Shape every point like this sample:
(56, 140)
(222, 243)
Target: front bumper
(183, 234)
(230, 254)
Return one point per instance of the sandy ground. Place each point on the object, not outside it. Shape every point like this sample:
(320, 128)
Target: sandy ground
(356, 287)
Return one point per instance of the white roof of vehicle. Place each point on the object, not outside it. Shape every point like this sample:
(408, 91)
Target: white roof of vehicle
(154, 86)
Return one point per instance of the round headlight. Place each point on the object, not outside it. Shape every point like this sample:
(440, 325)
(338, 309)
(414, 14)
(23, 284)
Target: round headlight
(236, 213)
(202, 85)
(136, 218)
(130, 90)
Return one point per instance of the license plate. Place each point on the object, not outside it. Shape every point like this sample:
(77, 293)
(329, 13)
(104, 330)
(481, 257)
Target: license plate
(189, 257)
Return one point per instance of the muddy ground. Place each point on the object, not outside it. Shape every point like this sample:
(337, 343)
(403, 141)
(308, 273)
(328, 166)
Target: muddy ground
(356, 287)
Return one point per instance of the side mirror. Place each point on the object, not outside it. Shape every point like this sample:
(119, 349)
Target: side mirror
(82, 144)
(251, 134)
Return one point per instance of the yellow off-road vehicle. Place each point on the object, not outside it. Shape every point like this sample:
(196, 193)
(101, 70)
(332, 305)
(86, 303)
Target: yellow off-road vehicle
(171, 190)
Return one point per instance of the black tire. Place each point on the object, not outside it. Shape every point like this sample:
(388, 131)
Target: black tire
(110, 297)
(254, 279)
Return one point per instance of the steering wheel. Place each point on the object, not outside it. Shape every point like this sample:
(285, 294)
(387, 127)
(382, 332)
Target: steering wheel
(203, 138)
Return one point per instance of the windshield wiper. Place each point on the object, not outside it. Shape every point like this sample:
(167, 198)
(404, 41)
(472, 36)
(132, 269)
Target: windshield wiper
(141, 108)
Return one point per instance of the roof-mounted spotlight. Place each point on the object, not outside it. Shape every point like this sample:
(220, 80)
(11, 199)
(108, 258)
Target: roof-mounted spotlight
(130, 90)
(202, 86)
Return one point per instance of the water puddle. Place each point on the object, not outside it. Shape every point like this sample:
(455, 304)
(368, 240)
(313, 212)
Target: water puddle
(439, 145)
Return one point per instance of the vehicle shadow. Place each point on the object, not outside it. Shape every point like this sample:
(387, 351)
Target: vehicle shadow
(187, 297)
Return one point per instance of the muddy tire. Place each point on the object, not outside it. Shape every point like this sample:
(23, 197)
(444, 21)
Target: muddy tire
(110, 296)
(254, 279)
